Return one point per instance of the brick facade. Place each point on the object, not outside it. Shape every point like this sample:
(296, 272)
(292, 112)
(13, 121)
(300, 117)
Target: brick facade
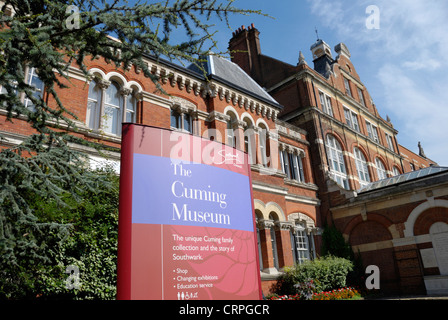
(318, 119)
(344, 127)
(280, 202)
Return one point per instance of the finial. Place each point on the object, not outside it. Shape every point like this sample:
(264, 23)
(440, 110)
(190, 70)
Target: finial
(317, 34)
(420, 150)
(302, 58)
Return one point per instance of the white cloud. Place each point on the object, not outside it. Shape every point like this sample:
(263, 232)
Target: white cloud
(404, 61)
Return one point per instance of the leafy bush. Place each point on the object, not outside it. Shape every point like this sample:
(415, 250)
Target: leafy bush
(327, 273)
(89, 244)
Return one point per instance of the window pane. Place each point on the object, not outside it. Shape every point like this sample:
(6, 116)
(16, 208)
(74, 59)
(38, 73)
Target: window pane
(361, 97)
(347, 87)
(175, 117)
(329, 108)
(131, 105)
(337, 162)
(348, 117)
(187, 122)
(110, 121)
(355, 121)
(361, 167)
(93, 106)
(113, 109)
(33, 80)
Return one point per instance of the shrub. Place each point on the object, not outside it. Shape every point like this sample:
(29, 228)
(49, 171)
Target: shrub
(89, 244)
(327, 273)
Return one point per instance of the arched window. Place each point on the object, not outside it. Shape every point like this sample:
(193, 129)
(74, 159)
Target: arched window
(93, 106)
(337, 163)
(109, 105)
(274, 244)
(395, 171)
(361, 167)
(380, 169)
(260, 251)
(37, 84)
(231, 127)
(249, 144)
(113, 109)
(262, 137)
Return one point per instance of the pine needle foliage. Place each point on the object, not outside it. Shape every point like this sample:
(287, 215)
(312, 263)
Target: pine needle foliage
(44, 169)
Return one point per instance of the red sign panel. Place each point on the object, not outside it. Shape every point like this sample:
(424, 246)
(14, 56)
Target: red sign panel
(186, 224)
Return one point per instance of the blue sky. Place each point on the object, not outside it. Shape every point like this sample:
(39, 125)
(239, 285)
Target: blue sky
(403, 64)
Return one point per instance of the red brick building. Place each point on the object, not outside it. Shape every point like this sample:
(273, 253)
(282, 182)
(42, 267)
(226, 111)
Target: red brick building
(228, 107)
(315, 139)
(352, 148)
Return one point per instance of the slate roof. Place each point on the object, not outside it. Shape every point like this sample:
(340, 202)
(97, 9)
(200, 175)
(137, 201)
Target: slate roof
(229, 73)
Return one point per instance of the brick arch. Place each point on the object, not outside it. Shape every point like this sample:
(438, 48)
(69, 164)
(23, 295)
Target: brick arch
(362, 149)
(381, 158)
(268, 208)
(98, 71)
(369, 231)
(371, 217)
(231, 109)
(428, 217)
(413, 216)
(338, 139)
(394, 165)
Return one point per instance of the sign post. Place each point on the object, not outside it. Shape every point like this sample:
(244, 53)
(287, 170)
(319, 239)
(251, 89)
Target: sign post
(186, 220)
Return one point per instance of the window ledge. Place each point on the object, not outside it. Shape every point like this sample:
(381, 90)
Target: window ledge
(305, 185)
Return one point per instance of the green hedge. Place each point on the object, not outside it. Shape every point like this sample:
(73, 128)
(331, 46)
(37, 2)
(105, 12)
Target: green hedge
(327, 273)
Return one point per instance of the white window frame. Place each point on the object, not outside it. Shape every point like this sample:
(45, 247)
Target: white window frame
(351, 118)
(230, 132)
(325, 102)
(93, 108)
(300, 244)
(262, 142)
(372, 132)
(380, 169)
(292, 166)
(395, 171)
(183, 117)
(348, 90)
(390, 143)
(337, 166)
(361, 97)
(30, 75)
(274, 245)
(361, 167)
(98, 123)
